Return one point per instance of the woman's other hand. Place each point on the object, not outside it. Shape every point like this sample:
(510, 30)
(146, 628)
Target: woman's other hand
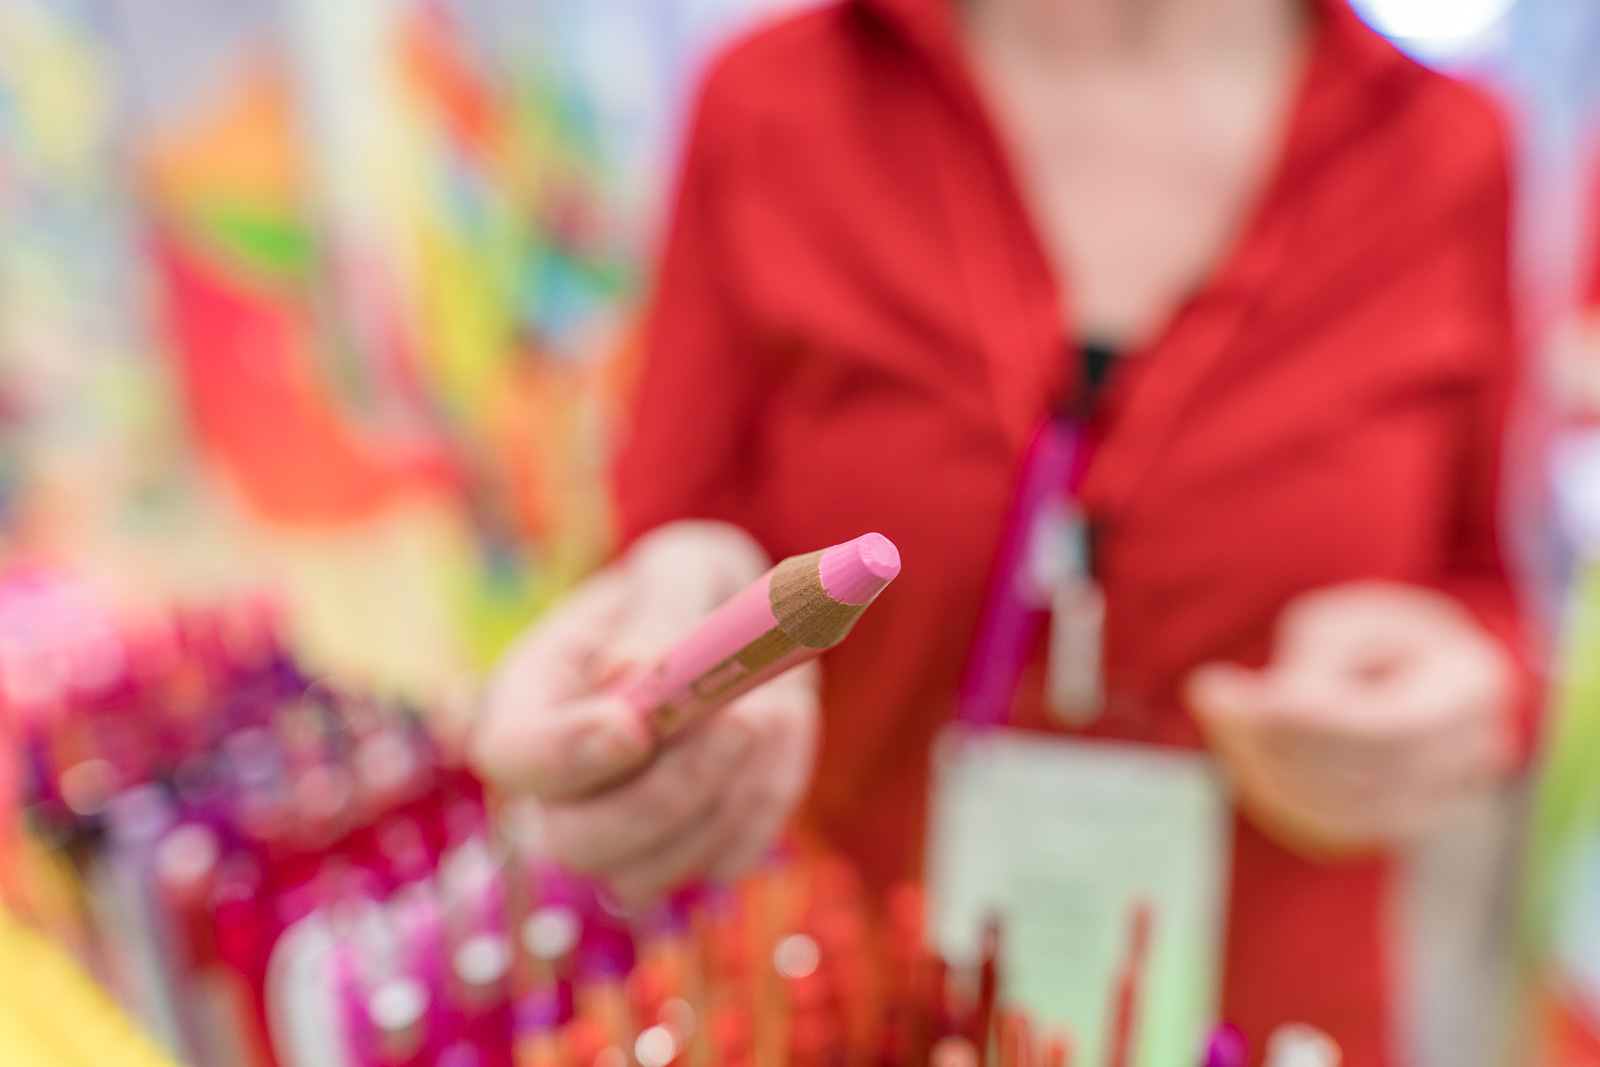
(707, 805)
(1385, 707)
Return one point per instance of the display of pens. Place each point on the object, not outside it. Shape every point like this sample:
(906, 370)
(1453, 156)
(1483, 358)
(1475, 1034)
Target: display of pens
(269, 870)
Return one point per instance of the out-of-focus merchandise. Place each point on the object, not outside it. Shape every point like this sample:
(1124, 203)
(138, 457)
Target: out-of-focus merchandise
(397, 248)
(386, 256)
(268, 869)
(91, 450)
(1561, 906)
(53, 1015)
(1562, 909)
(341, 243)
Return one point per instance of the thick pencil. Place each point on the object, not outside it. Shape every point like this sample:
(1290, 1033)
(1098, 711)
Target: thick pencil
(793, 613)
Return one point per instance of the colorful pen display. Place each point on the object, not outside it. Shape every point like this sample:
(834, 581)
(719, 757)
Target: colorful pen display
(796, 611)
(269, 871)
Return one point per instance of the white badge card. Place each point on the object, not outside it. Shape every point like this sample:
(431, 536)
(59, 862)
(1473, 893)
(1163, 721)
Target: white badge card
(1057, 577)
(1067, 841)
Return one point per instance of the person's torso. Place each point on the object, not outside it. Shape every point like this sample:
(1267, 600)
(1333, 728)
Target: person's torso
(1299, 422)
(1304, 419)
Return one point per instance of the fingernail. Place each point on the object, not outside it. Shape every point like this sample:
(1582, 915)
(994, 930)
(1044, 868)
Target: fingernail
(616, 668)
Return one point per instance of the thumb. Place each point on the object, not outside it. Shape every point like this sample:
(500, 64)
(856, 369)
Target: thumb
(675, 579)
(666, 604)
(1222, 692)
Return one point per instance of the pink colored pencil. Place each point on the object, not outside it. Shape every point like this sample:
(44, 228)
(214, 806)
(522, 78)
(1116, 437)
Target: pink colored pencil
(793, 613)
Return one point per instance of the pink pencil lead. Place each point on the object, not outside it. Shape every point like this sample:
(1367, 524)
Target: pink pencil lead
(857, 571)
(793, 613)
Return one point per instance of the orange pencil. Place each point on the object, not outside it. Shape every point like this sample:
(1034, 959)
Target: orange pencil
(953, 1052)
(1058, 1049)
(1016, 1039)
(1129, 981)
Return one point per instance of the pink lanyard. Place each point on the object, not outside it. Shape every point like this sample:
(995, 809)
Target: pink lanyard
(1045, 521)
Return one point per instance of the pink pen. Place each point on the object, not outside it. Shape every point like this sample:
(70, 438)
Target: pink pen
(793, 613)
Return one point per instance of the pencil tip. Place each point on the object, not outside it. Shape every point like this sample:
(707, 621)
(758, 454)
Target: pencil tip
(858, 570)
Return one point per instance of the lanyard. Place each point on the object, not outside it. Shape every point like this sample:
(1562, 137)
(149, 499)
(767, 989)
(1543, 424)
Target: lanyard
(1042, 574)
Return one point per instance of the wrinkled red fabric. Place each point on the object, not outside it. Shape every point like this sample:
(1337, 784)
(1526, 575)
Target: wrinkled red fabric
(855, 328)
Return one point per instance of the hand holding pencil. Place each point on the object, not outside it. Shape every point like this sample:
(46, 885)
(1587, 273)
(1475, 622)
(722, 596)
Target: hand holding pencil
(602, 710)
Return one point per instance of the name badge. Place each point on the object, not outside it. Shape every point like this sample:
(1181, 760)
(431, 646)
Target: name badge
(1107, 865)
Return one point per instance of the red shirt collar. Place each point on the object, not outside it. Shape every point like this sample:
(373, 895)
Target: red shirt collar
(1352, 82)
(929, 26)
(1353, 75)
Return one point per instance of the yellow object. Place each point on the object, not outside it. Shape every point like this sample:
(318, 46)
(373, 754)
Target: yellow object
(53, 1015)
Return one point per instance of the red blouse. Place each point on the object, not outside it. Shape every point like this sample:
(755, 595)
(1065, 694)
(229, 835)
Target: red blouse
(856, 328)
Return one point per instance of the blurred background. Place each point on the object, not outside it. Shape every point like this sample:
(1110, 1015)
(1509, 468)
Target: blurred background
(336, 300)
(329, 305)
(330, 299)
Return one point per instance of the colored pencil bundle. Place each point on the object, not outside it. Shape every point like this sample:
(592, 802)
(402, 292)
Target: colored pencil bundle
(790, 966)
(190, 796)
(257, 865)
(196, 808)
(270, 871)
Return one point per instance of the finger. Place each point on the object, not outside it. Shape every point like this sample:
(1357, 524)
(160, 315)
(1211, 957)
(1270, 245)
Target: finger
(543, 728)
(602, 833)
(781, 770)
(678, 861)
(1352, 778)
(1343, 655)
(1440, 799)
(666, 605)
(554, 660)
(1271, 730)
(1381, 638)
(758, 797)
(1225, 691)
(1383, 793)
(1465, 750)
(676, 578)
(1364, 621)
(1308, 817)
(1343, 803)
(1275, 794)
(1264, 792)
(767, 806)
(562, 752)
(1238, 709)
(1433, 695)
(1309, 756)
(1339, 706)
(1351, 756)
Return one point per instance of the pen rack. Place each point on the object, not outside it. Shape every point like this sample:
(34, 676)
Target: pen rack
(266, 869)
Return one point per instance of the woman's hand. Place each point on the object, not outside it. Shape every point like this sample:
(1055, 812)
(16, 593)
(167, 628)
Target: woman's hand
(1384, 707)
(707, 805)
